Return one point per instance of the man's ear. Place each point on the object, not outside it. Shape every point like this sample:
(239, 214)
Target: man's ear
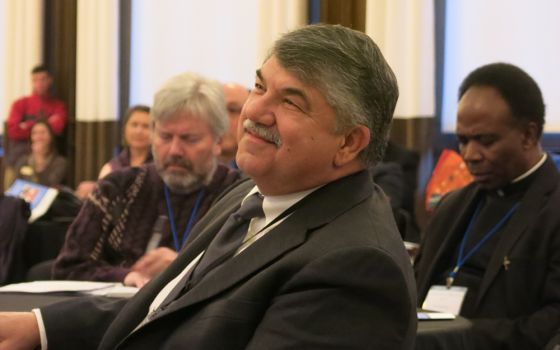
(530, 135)
(217, 148)
(152, 131)
(351, 144)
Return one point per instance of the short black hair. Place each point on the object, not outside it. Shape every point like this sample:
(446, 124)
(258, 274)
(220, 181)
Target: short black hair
(40, 68)
(516, 87)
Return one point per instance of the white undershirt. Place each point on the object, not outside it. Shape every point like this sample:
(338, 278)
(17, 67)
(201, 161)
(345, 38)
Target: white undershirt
(273, 206)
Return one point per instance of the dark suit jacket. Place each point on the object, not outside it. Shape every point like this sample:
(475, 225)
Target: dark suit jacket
(554, 343)
(390, 177)
(517, 307)
(14, 213)
(333, 275)
(409, 161)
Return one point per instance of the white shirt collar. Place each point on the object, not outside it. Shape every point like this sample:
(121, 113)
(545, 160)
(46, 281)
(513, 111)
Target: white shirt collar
(273, 206)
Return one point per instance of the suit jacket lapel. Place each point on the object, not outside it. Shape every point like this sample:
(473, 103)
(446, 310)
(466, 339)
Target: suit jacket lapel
(274, 244)
(540, 186)
(320, 207)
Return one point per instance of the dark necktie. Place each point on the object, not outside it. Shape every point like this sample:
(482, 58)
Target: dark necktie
(230, 236)
(222, 247)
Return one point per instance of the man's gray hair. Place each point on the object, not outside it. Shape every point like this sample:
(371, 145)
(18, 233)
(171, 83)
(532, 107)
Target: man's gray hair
(349, 70)
(193, 94)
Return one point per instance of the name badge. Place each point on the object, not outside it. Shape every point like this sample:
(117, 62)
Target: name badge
(26, 170)
(443, 299)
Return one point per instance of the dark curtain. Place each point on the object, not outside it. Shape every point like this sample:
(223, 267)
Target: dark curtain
(87, 145)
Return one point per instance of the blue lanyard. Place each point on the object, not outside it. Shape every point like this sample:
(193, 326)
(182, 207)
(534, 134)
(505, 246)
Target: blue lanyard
(172, 219)
(461, 259)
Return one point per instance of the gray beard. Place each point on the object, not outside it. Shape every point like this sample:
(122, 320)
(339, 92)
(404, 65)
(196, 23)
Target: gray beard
(189, 183)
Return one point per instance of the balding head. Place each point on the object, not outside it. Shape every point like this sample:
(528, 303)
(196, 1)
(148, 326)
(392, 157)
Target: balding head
(235, 96)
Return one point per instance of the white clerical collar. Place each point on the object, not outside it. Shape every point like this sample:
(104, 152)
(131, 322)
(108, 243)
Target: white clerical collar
(532, 170)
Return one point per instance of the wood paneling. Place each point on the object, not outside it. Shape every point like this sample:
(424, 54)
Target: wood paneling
(88, 145)
(60, 35)
(124, 55)
(95, 142)
(349, 13)
(415, 133)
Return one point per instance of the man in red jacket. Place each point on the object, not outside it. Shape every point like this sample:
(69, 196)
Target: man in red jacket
(27, 110)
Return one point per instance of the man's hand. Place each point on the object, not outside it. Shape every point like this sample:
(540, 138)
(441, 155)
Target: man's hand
(19, 330)
(148, 266)
(155, 261)
(84, 189)
(135, 279)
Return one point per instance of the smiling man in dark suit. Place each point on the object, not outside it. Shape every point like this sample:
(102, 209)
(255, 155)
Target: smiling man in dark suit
(321, 266)
(499, 236)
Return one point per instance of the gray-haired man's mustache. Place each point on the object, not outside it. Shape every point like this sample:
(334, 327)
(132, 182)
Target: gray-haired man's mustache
(265, 133)
(177, 161)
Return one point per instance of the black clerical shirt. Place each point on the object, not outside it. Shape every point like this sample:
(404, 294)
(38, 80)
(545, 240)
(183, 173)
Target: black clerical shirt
(494, 206)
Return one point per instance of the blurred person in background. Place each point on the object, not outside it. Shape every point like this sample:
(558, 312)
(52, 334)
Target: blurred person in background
(136, 139)
(136, 147)
(43, 164)
(138, 218)
(26, 111)
(235, 95)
